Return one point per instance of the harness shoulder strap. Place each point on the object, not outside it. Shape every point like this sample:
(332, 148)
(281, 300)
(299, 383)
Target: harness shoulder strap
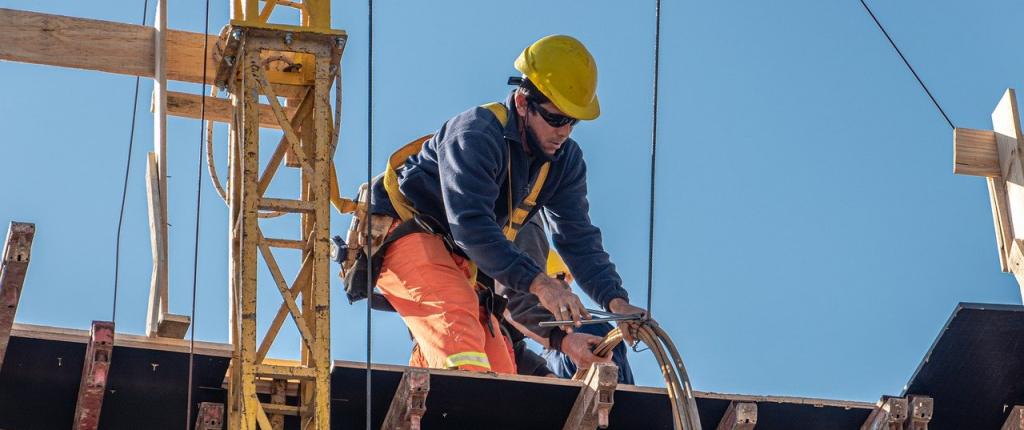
(402, 205)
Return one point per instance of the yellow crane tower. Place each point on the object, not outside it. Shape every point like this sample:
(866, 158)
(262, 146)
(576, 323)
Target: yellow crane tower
(298, 62)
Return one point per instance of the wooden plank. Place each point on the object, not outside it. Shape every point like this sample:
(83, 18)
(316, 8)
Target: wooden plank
(1015, 421)
(62, 334)
(95, 372)
(1000, 219)
(105, 46)
(594, 402)
(17, 254)
(160, 137)
(1006, 124)
(975, 153)
(158, 276)
(920, 414)
(410, 401)
(739, 416)
(172, 325)
(217, 109)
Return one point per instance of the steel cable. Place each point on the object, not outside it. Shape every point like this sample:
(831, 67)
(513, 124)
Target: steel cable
(124, 189)
(907, 63)
(199, 195)
(369, 226)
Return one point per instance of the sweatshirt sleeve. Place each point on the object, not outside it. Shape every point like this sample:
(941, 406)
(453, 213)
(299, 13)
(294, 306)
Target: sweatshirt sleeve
(468, 164)
(578, 240)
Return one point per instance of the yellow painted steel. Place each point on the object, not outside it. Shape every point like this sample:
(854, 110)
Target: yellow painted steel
(314, 15)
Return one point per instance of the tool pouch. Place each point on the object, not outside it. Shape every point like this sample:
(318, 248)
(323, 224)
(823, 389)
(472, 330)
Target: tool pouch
(356, 266)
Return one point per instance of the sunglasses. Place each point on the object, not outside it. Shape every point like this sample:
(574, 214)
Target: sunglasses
(553, 119)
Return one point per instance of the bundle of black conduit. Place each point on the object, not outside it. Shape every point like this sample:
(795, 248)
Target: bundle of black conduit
(684, 406)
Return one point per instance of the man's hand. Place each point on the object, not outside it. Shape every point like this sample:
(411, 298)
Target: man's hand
(558, 299)
(629, 328)
(579, 348)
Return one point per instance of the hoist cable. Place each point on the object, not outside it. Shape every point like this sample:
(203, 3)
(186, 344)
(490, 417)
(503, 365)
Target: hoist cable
(654, 155)
(199, 195)
(369, 219)
(907, 63)
(685, 415)
(124, 188)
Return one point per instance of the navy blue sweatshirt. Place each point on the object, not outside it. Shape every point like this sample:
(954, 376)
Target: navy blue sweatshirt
(460, 178)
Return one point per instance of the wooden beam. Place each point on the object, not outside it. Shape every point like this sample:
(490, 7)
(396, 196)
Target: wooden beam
(159, 321)
(889, 414)
(1015, 421)
(1000, 219)
(410, 401)
(95, 372)
(113, 47)
(595, 399)
(219, 110)
(210, 417)
(920, 413)
(158, 277)
(739, 416)
(975, 153)
(16, 256)
(1006, 124)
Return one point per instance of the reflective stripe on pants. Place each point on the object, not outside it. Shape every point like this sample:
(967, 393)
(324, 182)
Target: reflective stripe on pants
(431, 290)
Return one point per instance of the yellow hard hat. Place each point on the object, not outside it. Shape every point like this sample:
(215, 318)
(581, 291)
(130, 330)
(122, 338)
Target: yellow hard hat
(564, 71)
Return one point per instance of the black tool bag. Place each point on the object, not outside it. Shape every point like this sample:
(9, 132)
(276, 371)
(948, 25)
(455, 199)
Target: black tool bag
(357, 281)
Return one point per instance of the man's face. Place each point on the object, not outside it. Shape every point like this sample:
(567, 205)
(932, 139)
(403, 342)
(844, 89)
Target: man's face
(549, 137)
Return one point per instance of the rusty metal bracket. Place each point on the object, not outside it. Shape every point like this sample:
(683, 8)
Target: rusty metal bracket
(920, 412)
(739, 416)
(210, 417)
(595, 400)
(17, 253)
(1015, 421)
(410, 401)
(95, 372)
(889, 414)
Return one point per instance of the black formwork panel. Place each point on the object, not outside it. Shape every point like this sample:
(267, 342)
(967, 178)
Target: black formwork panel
(147, 388)
(487, 402)
(975, 368)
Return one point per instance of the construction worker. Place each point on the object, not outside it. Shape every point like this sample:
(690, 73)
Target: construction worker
(466, 191)
(564, 352)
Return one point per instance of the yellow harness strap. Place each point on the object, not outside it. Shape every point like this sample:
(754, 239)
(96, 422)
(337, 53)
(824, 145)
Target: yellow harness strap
(397, 160)
(405, 209)
(518, 216)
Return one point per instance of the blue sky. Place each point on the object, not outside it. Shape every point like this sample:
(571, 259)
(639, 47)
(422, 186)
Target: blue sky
(811, 237)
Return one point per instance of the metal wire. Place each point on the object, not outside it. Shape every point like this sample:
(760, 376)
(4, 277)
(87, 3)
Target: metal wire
(654, 156)
(911, 68)
(199, 195)
(124, 189)
(369, 226)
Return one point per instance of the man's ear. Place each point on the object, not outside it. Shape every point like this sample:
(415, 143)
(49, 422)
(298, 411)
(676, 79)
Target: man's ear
(520, 99)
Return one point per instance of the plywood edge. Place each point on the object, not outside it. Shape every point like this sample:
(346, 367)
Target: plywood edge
(62, 334)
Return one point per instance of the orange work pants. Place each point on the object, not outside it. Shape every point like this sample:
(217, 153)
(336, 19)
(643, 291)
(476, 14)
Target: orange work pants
(431, 289)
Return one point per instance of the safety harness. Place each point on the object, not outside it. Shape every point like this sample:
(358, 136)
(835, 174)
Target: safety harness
(356, 264)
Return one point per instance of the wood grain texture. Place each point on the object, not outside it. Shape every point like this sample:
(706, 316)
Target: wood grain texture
(105, 46)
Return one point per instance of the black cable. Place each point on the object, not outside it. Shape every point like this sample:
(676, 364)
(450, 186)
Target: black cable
(199, 195)
(904, 58)
(124, 189)
(369, 226)
(654, 155)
